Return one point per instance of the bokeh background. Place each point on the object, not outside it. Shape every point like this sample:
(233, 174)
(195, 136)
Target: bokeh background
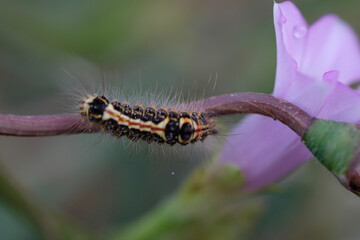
(170, 44)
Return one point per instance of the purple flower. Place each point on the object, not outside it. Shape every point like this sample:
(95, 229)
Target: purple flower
(314, 66)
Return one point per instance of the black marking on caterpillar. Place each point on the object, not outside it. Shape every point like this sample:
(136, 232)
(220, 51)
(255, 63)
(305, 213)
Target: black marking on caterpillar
(150, 124)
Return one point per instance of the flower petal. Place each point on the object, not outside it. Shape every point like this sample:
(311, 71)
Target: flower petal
(327, 45)
(342, 104)
(307, 93)
(331, 44)
(287, 19)
(312, 65)
(265, 150)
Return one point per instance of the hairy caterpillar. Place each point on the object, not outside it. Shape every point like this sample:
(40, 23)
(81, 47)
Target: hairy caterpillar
(149, 123)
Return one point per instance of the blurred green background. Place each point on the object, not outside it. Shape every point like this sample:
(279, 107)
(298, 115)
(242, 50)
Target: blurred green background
(166, 43)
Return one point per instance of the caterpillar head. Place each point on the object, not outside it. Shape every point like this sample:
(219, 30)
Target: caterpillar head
(93, 107)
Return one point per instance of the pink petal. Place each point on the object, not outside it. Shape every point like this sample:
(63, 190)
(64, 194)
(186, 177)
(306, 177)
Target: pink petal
(342, 104)
(310, 64)
(328, 45)
(309, 96)
(287, 19)
(307, 93)
(265, 150)
(331, 44)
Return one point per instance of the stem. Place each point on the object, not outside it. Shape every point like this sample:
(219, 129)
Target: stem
(238, 103)
(287, 113)
(46, 125)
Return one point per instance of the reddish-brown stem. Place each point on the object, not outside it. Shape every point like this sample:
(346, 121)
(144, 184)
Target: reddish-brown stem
(46, 125)
(264, 104)
(238, 103)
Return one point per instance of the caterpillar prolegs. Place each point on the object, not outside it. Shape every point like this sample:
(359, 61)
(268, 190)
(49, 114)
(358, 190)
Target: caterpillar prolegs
(151, 124)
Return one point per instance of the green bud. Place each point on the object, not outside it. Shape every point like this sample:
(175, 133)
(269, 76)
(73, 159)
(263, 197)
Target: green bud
(336, 146)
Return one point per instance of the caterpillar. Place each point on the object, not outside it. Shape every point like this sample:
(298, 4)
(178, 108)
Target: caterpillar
(150, 124)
